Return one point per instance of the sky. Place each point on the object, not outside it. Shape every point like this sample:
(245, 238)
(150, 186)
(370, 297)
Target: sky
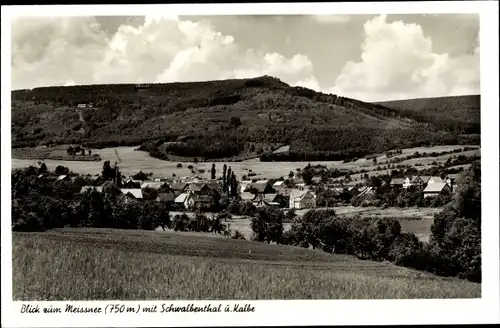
(366, 57)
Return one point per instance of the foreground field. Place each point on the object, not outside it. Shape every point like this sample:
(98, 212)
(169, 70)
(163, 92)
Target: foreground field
(90, 264)
(131, 161)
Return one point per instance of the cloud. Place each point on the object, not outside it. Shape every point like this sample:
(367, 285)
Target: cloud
(58, 51)
(398, 61)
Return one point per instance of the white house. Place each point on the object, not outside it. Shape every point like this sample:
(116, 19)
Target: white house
(302, 199)
(184, 199)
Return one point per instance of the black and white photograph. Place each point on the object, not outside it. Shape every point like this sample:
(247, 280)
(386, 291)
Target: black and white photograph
(168, 156)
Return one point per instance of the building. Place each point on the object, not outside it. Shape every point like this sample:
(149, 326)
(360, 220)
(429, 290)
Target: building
(63, 178)
(397, 182)
(244, 185)
(437, 188)
(260, 188)
(152, 185)
(179, 187)
(270, 200)
(183, 200)
(166, 197)
(247, 196)
(302, 199)
(131, 194)
(85, 188)
(407, 183)
(452, 179)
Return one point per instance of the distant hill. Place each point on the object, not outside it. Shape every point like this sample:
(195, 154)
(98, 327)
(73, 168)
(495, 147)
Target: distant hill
(463, 109)
(221, 119)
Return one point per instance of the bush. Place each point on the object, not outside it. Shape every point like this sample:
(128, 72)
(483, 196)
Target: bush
(267, 225)
(238, 235)
(179, 165)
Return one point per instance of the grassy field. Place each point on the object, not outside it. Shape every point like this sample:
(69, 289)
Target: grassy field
(413, 220)
(106, 264)
(132, 161)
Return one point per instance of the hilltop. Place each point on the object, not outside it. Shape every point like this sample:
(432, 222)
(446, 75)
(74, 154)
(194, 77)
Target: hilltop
(223, 119)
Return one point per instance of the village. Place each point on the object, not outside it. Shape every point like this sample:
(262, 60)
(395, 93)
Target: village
(197, 192)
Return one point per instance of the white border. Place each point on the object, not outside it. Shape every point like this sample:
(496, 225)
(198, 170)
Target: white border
(484, 310)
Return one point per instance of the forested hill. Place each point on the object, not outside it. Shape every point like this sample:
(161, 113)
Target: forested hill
(221, 119)
(463, 109)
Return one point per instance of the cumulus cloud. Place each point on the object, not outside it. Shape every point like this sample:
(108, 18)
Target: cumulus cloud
(58, 51)
(398, 61)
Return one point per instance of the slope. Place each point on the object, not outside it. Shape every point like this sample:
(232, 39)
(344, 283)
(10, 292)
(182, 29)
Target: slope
(215, 119)
(442, 110)
(91, 264)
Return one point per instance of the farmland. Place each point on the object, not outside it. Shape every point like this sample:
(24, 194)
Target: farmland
(412, 220)
(133, 160)
(91, 264)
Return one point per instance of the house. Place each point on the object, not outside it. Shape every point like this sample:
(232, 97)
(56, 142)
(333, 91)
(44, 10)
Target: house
(270, 200)
(397, 182)
(407, 183)
(63, 178)
(282, 188)
(244, 185)
(131, 194)
(183, 199)
(302, 199)
(435, 180)
(198, 200)
(437, 188)
(260, 188)
(275, 200)
(179, 187)
(330, 197)
(166, 197)
(215, 185)
(85, 188)
(201, 189)
(278, 184)
(152, 185)
(247, 196)
(451, 180)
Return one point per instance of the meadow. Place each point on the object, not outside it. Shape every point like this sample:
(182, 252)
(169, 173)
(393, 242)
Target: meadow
(104, 264)
(132, 161)
(412, 220)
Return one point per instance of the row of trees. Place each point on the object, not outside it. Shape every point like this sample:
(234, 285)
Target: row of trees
(454, 248)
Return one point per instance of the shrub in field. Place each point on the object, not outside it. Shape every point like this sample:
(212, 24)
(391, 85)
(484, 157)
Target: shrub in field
(238, 235)
(267, 225)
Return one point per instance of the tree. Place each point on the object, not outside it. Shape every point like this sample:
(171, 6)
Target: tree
(234, 121)
(83, 152)
(42, 168)
(70, 151)
(224, 171)
(267, 225)
(107, 171)
(213, 171)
